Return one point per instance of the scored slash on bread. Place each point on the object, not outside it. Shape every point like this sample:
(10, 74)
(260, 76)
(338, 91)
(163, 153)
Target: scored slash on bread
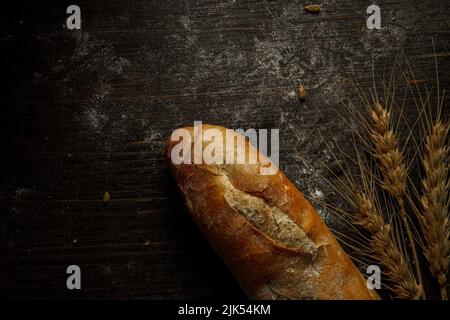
(267, 233)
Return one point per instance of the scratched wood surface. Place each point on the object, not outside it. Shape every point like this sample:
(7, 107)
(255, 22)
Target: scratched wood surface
(86, 112)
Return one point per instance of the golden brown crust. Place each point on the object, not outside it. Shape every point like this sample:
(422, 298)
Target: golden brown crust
(240, 212)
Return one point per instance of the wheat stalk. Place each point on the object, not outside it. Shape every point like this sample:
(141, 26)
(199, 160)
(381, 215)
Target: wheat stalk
(360, 192)
(388, 234)
(386, 252)
(434, 219)
(393, 169)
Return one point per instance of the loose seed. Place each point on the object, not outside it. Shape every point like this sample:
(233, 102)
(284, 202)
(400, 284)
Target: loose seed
(301, 92)
(106, 197)
(313, 8)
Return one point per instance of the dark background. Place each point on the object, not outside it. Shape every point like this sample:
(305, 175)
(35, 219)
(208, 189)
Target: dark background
(87, 112)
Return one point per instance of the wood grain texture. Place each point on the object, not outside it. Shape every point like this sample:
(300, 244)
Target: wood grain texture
(85, 112)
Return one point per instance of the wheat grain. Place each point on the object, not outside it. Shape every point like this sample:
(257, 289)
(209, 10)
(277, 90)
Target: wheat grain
(313, 8)
(391, 160)
(434, 219)
(392, 167)
(386, 252)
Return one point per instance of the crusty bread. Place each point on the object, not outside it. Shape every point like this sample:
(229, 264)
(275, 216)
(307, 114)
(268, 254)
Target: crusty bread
(267, 233)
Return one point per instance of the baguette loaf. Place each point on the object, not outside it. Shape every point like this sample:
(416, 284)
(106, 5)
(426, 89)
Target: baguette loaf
(266, 232)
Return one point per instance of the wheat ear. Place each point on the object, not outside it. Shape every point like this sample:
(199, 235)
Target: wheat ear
(434, 219)
(386, 251)
(393, 169)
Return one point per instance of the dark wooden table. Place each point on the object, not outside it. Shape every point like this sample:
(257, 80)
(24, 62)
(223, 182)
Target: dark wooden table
(84, 112)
